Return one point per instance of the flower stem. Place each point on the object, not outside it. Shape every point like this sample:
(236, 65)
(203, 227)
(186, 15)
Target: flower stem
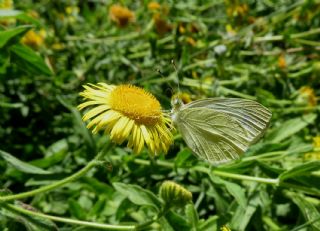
(281, 37)
(68, 220)
(207, 171)
(59, 183)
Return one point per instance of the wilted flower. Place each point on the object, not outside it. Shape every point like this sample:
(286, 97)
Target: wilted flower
(121, 15)
(33, 38)
(127, 112)
(162, 26)
(174, 194)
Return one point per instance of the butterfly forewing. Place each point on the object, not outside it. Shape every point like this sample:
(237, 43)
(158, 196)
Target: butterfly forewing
(219, 130)
(251, 115)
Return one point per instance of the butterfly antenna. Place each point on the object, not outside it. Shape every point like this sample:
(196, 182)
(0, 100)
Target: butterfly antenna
(176, 70)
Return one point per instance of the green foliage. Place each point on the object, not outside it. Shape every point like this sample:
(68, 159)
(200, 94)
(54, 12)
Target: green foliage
(262, 50)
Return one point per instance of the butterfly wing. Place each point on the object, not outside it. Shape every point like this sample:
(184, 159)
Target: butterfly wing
(251, 115)
(219, 130)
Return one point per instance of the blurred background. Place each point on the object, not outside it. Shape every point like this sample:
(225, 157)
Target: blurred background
(266, 51)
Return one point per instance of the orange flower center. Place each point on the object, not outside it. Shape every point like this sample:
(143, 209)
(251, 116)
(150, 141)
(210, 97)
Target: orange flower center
(136, 104)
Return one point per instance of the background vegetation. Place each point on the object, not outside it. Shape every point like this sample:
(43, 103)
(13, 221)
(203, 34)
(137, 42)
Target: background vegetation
(262, 50)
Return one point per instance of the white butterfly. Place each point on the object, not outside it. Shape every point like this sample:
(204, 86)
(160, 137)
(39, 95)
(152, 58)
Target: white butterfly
(220, 130)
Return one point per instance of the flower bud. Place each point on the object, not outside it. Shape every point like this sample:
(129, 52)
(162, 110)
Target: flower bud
(174, 194)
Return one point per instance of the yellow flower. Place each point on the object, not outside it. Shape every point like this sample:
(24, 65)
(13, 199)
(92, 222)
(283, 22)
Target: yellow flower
(191, 41)
(185, 97)
(154, 6)
(121, 15)
(307, 96)
(57, 46)
(315, 155)
(316, 142)
(130, 113)
(33, 14)
(225, 228)
(282, 61)
(230, 30)
(235, 9)
(34, 39)
(6, 4)
(72, 10)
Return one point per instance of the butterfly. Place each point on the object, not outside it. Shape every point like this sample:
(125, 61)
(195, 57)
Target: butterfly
(219, 130)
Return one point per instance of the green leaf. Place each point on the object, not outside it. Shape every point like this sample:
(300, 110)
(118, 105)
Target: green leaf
(54, 154)
(303, 169)
(30, 60)
(291, 127)
(242, 216)
(7, 35)
(309, 212)
(79, 125)
(192, 215)
(234, 189)
(20, 165)
(176, 221)
(138, 195)
(76, 210)
(209, 225)
(183, 160)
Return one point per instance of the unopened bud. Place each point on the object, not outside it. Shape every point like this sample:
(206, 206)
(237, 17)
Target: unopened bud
(174, 194)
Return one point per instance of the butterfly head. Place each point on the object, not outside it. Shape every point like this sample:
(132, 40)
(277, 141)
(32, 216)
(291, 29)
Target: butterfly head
(176, 104)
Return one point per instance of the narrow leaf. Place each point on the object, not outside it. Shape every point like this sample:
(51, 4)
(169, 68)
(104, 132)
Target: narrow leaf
(308, 210)
(30, 59)
(209, 225)
(234, 189)
(303, 169)
(192, 215)
(20, 165)
(291, 127)
(7, 35)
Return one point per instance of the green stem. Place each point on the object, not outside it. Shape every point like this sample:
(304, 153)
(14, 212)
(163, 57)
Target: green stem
(236, 176)
(207, 171)
(245, 177)
(59, 183)
(68, 220)
(281, 37)
(270, 223)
